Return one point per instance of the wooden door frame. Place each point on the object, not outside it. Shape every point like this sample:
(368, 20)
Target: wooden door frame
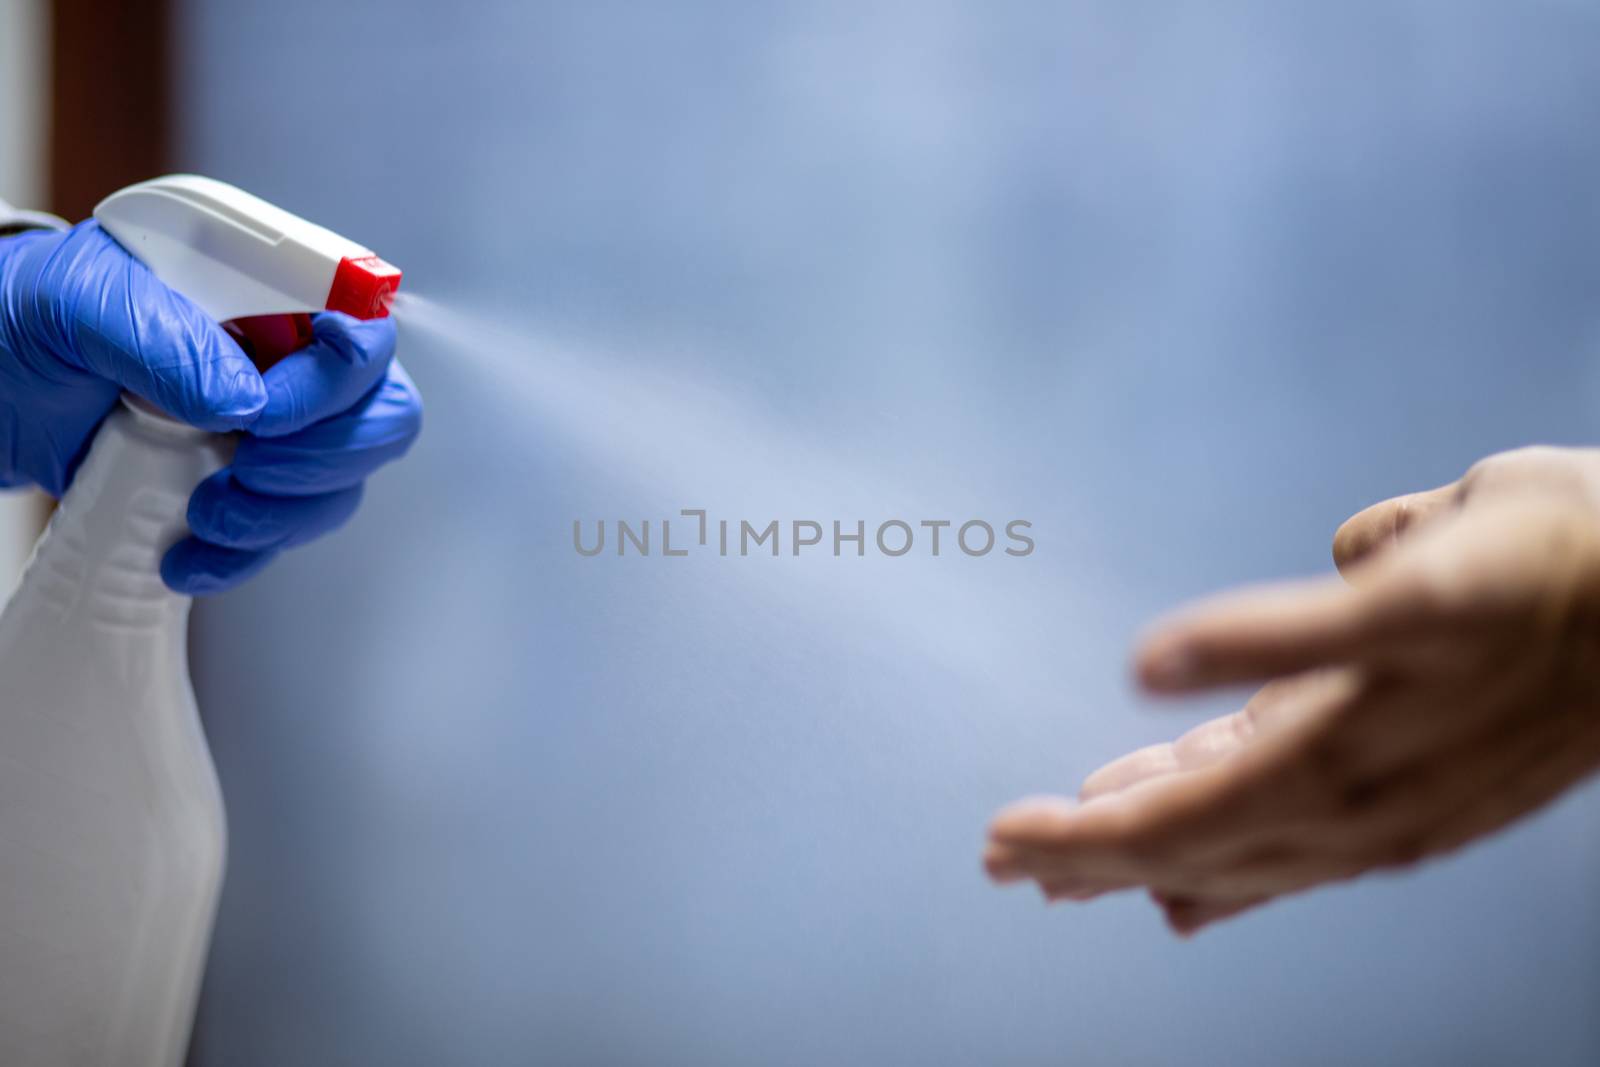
(111, 99)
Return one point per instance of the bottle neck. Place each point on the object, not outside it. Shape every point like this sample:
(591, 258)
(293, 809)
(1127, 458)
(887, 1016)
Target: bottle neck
(125, 508)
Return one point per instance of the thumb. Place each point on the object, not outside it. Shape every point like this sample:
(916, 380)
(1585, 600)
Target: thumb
(1379, 526)
(1268, 632)
(125, 325)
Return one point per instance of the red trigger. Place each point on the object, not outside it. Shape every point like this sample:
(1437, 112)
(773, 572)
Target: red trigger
(268, 338)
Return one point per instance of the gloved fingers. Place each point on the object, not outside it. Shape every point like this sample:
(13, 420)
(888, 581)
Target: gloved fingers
(197, 568)
(223, 512)
(348, 358)
(336, 453)
(121, 323)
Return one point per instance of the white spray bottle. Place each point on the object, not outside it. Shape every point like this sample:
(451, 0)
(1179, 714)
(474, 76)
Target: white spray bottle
(112, 834)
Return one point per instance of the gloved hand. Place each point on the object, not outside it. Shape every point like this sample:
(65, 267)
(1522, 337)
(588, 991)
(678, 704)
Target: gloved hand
(81, 320)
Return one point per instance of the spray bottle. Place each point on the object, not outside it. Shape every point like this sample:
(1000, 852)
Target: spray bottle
(112, 835)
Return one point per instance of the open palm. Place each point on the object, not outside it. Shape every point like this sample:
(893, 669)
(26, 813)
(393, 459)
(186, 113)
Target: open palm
(1450, 686)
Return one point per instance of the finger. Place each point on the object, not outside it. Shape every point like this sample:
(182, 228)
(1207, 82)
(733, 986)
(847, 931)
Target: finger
(1000, 863)
(125, 325)
(1205, 744)
(1052, 870)
(1265, 633)
(1276, 864)
(347, 358)
(1217, 739)
(194, 568)
(1148, 833)
(1148, 762)
(1076, 890)
(1179, 830)
(223, 512)
(1034, 822)
(337, 453)
(1007, 861)
(1213, 741)
(1187, 915)
(1382, 524)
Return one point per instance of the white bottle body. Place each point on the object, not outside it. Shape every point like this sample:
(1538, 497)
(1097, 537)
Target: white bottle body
(112, 834)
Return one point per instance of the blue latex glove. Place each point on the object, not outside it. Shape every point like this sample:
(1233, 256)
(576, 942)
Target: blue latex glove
(81, 320)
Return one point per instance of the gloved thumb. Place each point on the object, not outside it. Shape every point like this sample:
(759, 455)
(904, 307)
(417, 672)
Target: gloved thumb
(125, 325)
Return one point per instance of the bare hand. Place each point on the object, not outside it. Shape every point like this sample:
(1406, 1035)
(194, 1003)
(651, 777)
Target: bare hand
(1451, 687)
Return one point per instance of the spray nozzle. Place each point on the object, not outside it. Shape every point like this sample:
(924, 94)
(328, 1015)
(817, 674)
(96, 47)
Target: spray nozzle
(364, 287)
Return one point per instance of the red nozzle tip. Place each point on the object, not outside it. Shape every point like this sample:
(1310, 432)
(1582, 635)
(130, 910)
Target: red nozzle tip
(363, 287)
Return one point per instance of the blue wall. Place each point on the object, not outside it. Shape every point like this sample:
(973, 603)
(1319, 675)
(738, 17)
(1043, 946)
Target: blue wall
(1183, 284)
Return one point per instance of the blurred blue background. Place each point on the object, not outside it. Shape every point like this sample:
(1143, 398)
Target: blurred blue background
(1182, 284)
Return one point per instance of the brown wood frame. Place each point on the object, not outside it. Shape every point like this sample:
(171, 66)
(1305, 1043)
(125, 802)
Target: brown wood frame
(111, 120)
